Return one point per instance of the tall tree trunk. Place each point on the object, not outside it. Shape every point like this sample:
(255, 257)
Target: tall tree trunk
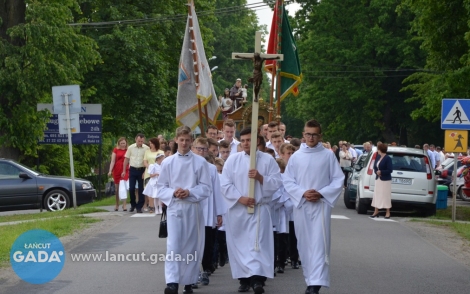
(12, 13)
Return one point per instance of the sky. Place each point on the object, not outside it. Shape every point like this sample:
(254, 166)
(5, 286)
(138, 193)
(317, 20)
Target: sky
(265, 14)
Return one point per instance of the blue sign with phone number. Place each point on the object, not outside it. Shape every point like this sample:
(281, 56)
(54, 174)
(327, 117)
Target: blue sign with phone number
(90, 126)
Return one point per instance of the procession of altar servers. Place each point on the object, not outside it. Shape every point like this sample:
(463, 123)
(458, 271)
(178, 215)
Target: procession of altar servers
(199, 202)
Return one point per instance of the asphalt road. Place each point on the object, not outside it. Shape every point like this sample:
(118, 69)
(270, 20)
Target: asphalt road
(367, 256)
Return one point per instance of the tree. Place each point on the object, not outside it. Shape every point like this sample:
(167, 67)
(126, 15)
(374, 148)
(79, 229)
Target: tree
(38, 50)
(443, 28)
(354, 56)
(234, 31)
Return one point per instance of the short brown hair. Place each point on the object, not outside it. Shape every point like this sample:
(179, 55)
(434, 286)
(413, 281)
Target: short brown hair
(219, 161)
(285, 147)
(382, 147)
(183, 130)
(313, 124)
(212, 142)
(229, 123)
(295, 142)
(276, 135)
(201, 140)
(281, 163)
(224, 144)
(212, 127)
(273, 124)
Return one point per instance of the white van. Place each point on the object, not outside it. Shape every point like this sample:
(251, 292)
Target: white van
(413, 182)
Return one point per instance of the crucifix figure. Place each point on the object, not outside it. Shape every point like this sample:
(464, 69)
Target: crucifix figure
(257, 79)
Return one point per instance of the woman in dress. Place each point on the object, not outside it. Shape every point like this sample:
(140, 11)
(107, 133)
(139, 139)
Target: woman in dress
(345, 158)
(115, 169)
(149, 158)
(383, 169)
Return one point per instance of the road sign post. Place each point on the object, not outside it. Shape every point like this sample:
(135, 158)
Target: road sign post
(67, 99)
(454, 119)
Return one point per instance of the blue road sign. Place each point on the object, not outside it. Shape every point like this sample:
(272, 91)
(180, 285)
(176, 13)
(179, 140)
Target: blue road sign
(455, 113)
(90, 126)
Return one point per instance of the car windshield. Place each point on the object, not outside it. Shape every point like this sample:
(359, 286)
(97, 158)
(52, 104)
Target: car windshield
(408, 162)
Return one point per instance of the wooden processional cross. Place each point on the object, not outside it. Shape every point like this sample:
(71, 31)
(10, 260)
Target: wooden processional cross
(258, 59)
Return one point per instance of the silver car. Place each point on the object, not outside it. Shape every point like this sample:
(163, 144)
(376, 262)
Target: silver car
(413, 182)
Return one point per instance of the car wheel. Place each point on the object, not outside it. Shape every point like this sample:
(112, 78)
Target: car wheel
(347, 199)
(56, 200)
(360, 207)
(462, 195)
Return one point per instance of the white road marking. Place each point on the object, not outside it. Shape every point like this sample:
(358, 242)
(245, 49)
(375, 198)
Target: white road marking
(378, 219)
(339, 216)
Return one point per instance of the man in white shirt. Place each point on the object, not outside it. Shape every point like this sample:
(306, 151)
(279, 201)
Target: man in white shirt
(135, 158)
(437, 157)
(229, 133)
(272, 127)
(430, 155)
(441, 154)
(282, 129)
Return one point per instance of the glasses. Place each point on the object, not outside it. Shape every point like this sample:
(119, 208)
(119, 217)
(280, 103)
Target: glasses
(201, 148)
(309, 135)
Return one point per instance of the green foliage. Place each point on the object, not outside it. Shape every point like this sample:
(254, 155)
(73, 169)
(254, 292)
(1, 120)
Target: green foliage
(353, 56)
(443, 28)
(41, 53)
(233, 32)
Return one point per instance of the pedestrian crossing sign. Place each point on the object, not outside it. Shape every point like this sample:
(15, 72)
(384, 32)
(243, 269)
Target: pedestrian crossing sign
(454, 114)
(455, 141)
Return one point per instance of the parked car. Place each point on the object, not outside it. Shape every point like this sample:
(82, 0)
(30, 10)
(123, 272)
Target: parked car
(413, 182)
(350, 191)
(460, 183)
(23, 188)
(444, 176)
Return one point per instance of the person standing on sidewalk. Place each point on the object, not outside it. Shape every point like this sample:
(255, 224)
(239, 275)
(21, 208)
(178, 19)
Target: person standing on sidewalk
(115, 169)
(135, 158)
(183, 183)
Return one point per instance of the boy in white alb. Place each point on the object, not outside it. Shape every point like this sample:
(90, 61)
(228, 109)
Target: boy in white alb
(314, 181)
(183, 183)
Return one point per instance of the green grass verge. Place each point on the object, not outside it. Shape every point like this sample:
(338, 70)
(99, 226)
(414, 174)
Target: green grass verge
(108, 200)
(49, 214)
(444, 216)
(462, 213)
(59, 227)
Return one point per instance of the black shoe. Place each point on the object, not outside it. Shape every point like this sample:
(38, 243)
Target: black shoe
(188, 289)
(374, 216)
(194, 286)
(258, 288)
(312, 290)
(386, 217)
(295, 265)
(205, 279)
(244, 288)
(132, 209)
(171, 288)
(139, 210)
(280, 270)
(222, 260)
